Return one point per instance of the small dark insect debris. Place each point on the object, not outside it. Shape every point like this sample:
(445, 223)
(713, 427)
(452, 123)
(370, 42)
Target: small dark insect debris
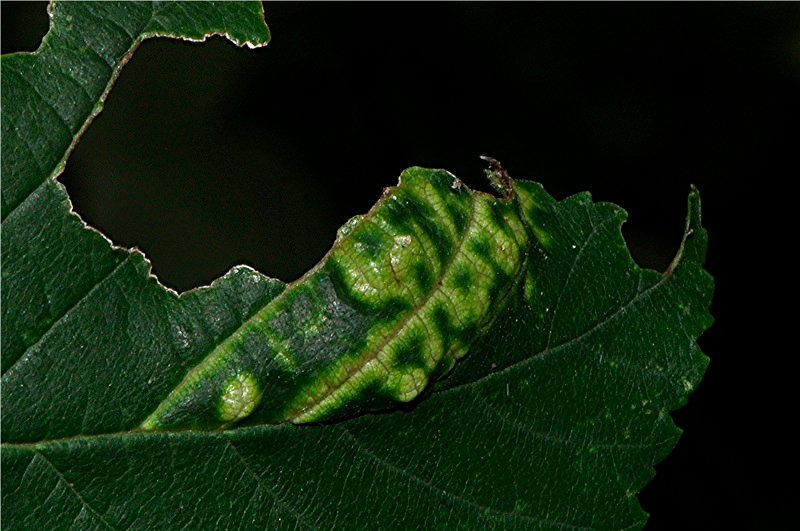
(499, 177)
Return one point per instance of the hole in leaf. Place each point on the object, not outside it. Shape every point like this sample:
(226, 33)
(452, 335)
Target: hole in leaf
(24, 25)
(181, 165)
(208, 155)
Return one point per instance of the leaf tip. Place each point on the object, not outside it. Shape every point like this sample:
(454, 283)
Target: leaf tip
(695, 239)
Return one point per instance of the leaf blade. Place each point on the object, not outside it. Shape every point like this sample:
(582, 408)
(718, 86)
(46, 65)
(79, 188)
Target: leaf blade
(52, 262)
(554, 419)
(417, 449)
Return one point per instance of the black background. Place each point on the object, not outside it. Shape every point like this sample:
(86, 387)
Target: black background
(207, 156)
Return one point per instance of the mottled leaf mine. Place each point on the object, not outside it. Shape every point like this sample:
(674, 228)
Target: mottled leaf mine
(401, 296)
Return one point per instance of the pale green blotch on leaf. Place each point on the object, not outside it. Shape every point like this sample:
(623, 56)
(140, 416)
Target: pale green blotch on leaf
(240, 396)
(407, 385)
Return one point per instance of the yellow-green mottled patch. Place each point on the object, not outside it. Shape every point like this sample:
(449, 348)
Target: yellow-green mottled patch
(399, 299)
(240, 396)
(528, 207)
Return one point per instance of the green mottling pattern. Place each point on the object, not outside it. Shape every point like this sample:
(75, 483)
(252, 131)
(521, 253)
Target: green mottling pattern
(239, 398)
(400, 297)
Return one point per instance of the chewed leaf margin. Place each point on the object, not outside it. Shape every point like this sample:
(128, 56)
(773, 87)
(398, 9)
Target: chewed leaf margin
(554, 419)
(507, 415)
(52, 95)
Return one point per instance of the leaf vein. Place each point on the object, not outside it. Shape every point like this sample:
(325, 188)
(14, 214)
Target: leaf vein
(517, 426)
(595, 231)
(56, 322)
(401, 325)
(260, 482)
(450, 496)
(72, 489)
(564, 344)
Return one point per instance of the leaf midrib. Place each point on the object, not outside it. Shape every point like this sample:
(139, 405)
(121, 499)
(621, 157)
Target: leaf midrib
(547, 351)
(360, 448)
(374, 353)
(210, 357)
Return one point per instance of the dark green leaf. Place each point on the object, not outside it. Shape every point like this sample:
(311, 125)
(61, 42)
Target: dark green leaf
(554, 419)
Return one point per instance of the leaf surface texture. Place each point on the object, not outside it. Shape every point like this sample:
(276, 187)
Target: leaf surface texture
(546, 406)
